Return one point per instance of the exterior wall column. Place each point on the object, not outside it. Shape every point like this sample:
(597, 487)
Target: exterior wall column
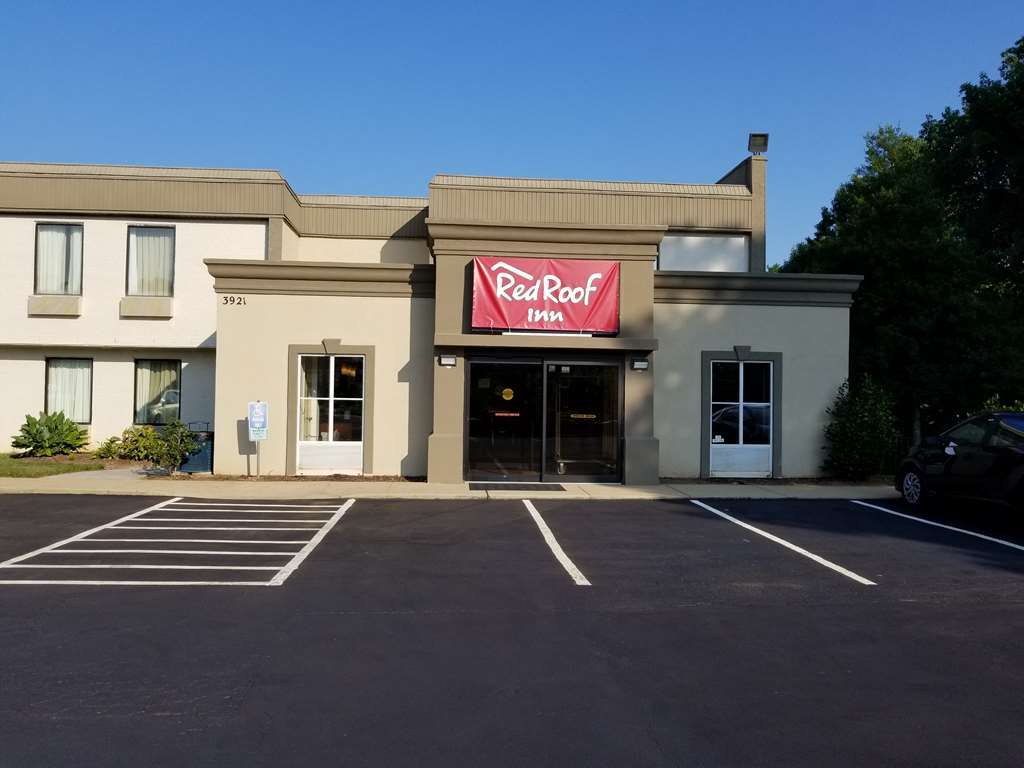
(445, 444)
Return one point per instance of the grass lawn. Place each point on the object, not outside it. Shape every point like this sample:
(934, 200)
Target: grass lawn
(39, 467)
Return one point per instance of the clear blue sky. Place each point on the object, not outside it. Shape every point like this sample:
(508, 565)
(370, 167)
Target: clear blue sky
(375, 98)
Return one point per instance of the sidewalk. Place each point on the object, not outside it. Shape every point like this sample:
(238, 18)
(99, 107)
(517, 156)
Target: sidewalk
(129, 482)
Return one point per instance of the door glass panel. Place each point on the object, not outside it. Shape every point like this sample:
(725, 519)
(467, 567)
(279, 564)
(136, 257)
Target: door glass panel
(505, 417)
(313, 419)
(725, 424)
(971, 433)
(348, 421)
(757, 424)
(583, 441)
(315, 373)
(725, 382)
(348, 377)
(757, 378)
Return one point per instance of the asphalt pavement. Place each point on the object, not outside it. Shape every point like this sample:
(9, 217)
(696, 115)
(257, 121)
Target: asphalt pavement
(744, 632)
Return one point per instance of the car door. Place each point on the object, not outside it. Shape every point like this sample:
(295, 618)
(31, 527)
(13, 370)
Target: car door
(1005, 447)
(969, 463)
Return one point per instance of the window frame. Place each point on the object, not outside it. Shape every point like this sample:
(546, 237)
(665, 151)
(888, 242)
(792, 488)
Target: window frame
(330, 398)
(135, 387)
(128, 258)
(46, 383)
(35, 259)
(741, 402)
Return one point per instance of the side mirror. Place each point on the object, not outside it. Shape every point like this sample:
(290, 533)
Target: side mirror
(951, 449)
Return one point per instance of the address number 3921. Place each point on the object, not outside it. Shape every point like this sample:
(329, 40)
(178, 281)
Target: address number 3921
(235, 300)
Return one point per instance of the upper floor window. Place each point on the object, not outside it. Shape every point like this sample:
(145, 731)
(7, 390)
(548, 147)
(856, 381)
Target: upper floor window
(58, 259)
(704, 253)
(150, 261)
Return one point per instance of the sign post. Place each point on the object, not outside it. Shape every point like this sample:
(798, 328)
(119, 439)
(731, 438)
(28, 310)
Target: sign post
(258, 423)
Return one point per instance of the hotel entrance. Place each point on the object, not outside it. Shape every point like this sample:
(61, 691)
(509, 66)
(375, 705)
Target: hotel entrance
(533, 420)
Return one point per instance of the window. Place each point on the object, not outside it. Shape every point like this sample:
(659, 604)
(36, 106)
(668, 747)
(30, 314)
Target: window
(157, 391)
(331, 398)
(150, 261)
(704, 253)
(69, 387)
(1010, 433)
(58, 259)
(741, 407)
(970, 433)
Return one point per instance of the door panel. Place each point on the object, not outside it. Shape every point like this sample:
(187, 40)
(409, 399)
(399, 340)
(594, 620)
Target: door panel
(504, 431)
(583, 439)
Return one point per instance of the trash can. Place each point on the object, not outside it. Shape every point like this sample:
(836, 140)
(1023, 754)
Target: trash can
(202, 459)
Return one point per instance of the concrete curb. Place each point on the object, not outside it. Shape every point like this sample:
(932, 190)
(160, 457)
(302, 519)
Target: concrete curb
(121, 483)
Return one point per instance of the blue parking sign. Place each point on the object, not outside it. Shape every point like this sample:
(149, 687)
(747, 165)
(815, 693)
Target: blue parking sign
(258, 421)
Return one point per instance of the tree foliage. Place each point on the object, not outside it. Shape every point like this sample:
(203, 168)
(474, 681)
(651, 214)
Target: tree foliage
(935, 224)
(861, 437)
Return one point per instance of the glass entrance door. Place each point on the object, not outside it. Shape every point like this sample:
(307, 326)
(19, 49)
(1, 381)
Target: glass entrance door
(583, 439)
(505, 424)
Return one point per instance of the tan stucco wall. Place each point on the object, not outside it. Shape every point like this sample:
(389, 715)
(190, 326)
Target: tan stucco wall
(814, 342)
(358, 250)
(104, 261)
(23, 373)
(252, 364)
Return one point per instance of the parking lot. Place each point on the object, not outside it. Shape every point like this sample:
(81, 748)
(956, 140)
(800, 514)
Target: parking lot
(701, 632)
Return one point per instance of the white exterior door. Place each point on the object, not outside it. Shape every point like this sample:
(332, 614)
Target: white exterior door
(330, 415)
(741, 418)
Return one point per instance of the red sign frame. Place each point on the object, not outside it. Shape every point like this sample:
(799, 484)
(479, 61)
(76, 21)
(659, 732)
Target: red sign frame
(566, 295)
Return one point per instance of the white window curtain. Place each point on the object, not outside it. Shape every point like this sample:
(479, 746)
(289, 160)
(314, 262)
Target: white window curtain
(69, 388)
(150, 261)
(59, 259)
(157, 391)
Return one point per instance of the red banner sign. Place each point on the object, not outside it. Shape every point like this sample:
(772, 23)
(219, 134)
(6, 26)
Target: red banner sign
(575, 295)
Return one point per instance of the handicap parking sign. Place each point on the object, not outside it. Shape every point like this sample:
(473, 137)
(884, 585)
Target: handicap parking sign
(258, 421)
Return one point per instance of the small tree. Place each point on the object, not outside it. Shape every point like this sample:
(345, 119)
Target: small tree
(51, 434)
(862, 434)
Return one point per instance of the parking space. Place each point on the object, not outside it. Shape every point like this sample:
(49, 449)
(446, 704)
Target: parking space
(460, 621)
(182, 542)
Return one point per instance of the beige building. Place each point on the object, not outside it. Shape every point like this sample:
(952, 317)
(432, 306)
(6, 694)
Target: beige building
(499, 329)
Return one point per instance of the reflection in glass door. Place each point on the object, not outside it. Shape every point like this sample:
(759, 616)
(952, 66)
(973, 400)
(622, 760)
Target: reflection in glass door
(505, 421)
(583, 440)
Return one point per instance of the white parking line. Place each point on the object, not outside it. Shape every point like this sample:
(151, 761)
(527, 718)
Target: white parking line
(83, 534)
(941, 525)
(303, 553)
(165, 552)
(788, 545)
(84, 544)
(324, 507)
(556, 549)
(197, 528)
(228, 520)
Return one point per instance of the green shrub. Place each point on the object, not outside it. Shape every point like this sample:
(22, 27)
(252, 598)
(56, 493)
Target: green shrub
(52, 434)
(861, 436)
(109, 448)
(177, 443)
(141, 443)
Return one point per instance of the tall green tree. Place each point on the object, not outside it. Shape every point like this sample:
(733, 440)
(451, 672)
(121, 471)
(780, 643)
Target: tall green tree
(934, 223)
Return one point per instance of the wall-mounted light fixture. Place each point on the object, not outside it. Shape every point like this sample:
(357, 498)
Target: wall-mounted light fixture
(446, 361)
(639, 364)
(757, 143)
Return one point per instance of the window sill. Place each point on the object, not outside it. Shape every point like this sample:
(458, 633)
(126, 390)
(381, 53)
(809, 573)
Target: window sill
(151, 307)
(54, 305)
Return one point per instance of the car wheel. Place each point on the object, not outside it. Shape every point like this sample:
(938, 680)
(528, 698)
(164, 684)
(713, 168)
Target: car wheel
(912, 488)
